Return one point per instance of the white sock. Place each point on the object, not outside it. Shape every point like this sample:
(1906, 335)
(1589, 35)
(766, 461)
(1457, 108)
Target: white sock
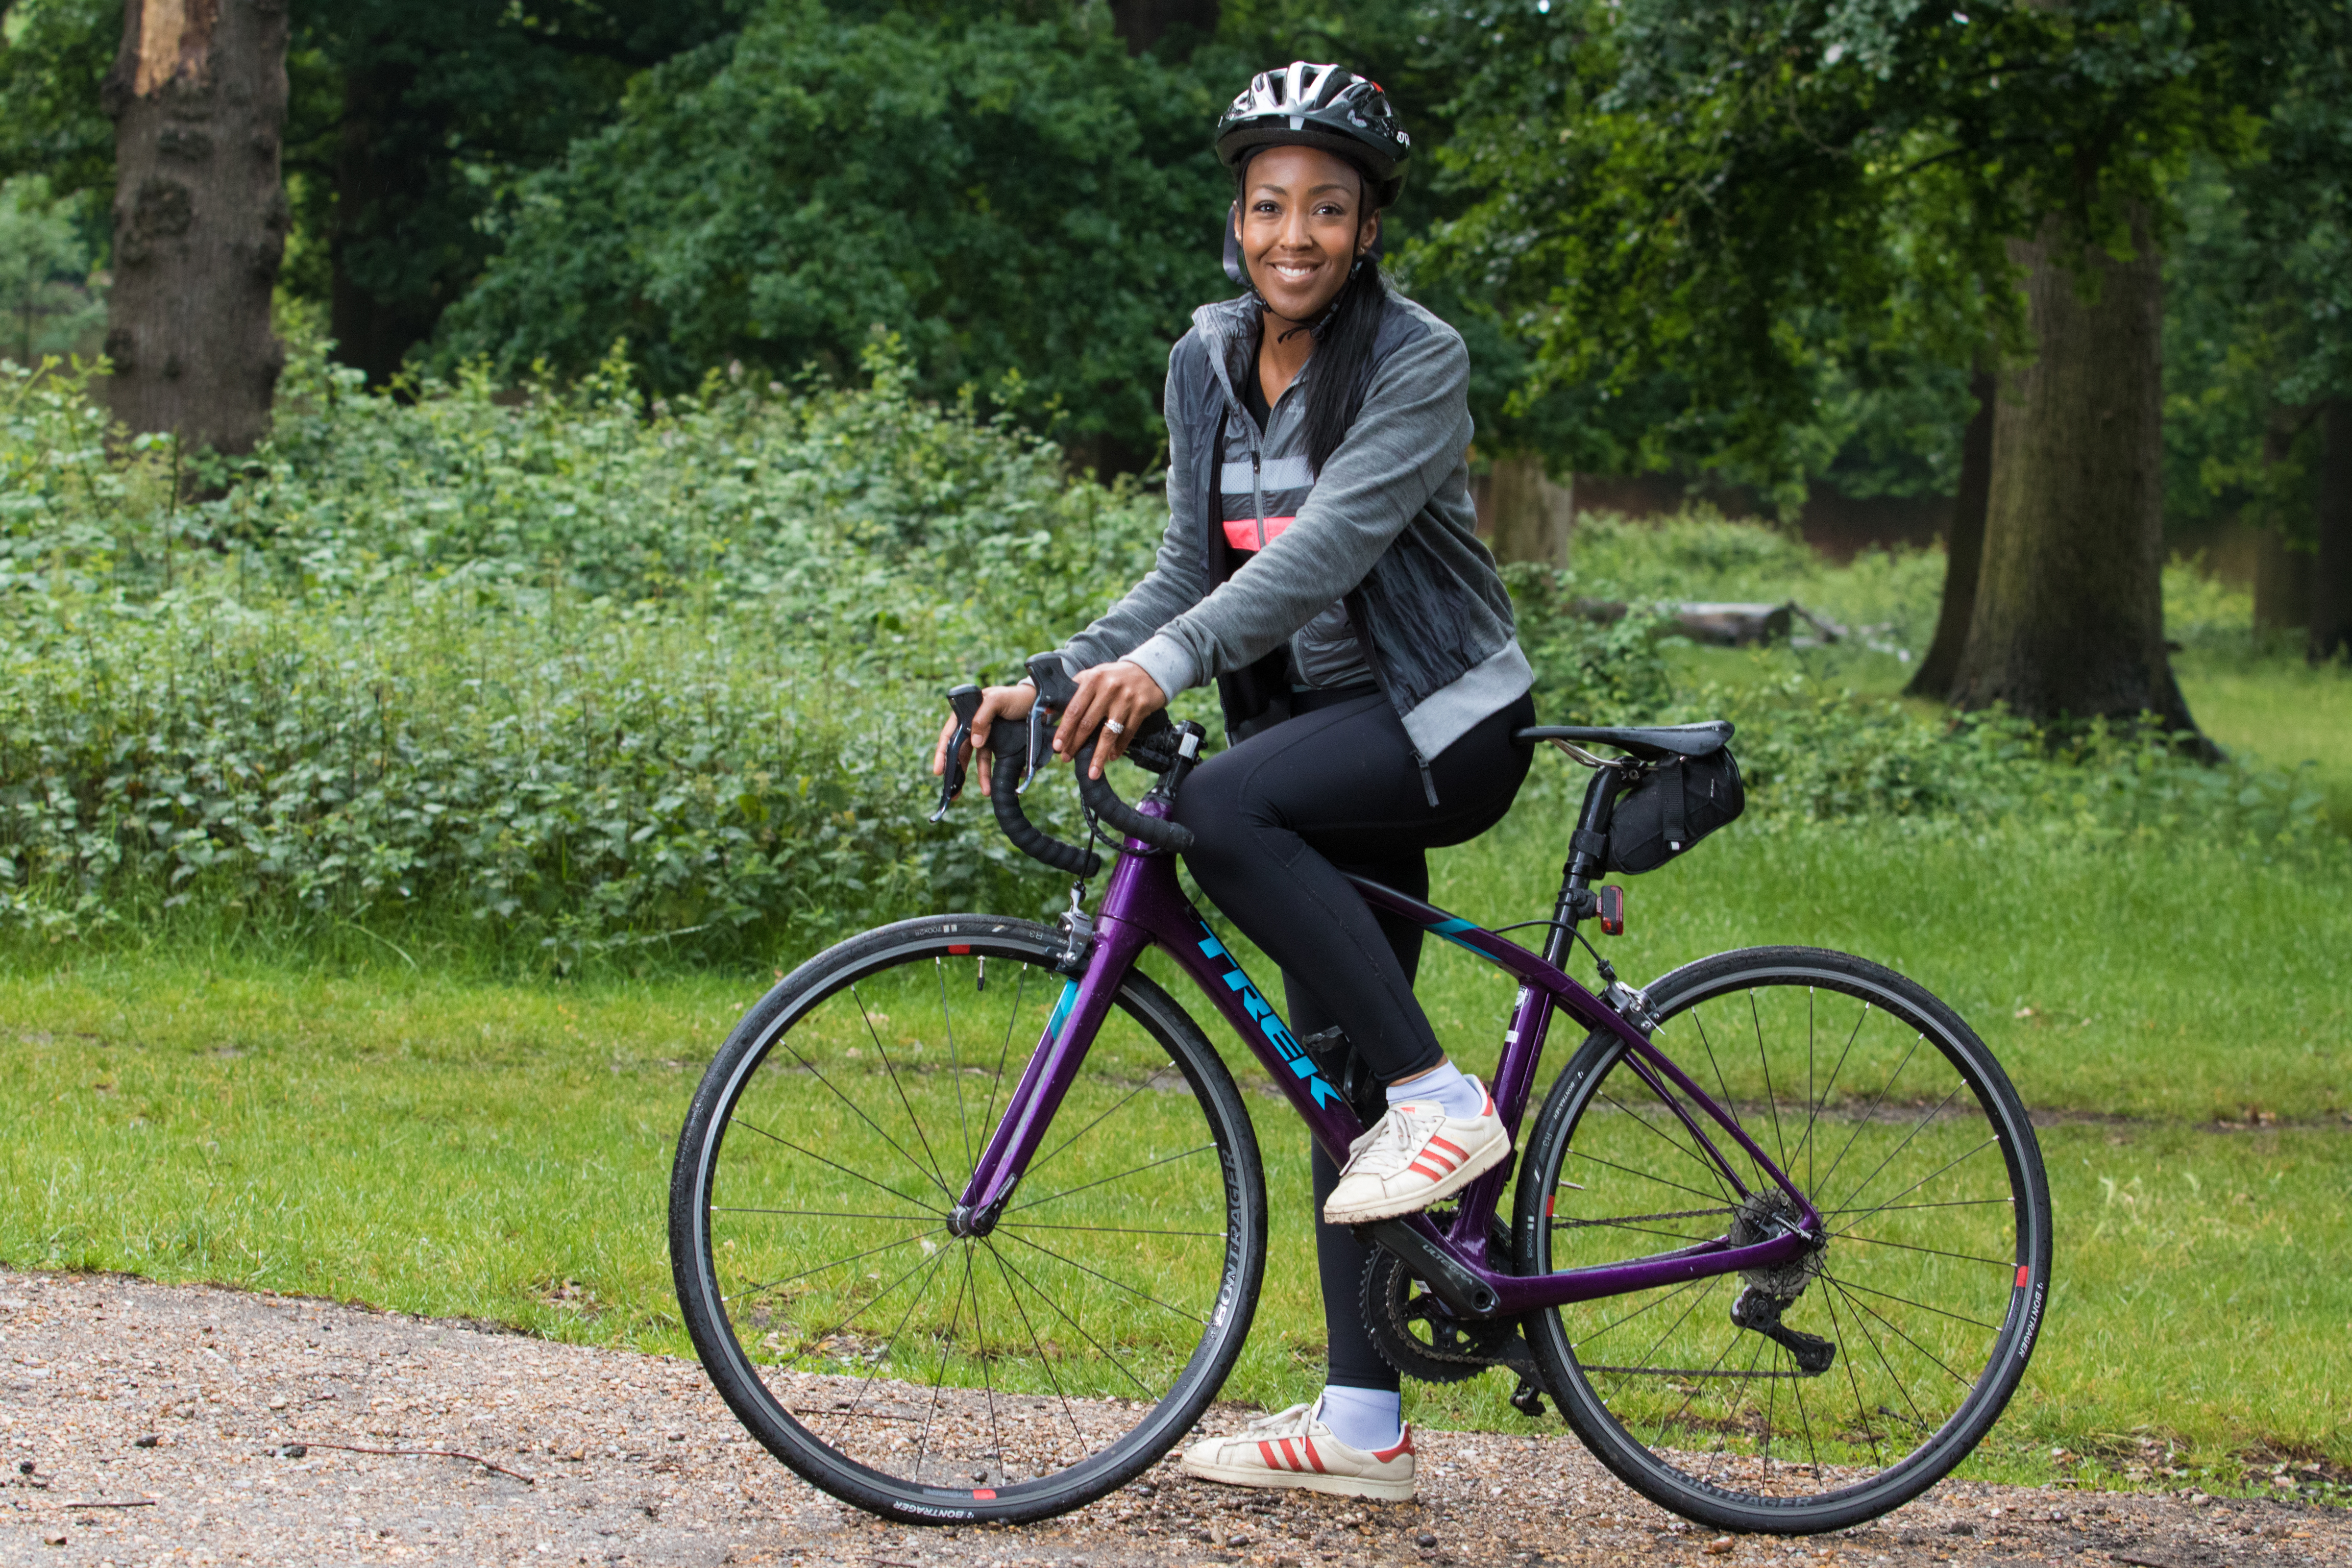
(1366, 1418)
(1446, 1085)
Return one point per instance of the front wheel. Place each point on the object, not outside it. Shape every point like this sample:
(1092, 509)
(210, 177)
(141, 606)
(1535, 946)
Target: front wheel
(1827, 1391)
(929, 1377)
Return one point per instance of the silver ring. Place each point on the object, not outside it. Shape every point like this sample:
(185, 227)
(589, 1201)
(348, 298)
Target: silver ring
(1115, 726)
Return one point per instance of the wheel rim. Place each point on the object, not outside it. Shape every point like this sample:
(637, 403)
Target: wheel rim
(990, 1368)
(1890, 1123)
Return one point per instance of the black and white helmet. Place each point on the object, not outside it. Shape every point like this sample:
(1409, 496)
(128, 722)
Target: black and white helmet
(1331, 107)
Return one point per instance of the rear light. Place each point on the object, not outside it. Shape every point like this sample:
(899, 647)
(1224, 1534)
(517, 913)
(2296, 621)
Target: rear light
(1613, 910)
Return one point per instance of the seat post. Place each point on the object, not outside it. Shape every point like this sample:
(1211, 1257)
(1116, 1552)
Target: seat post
(1586, 860)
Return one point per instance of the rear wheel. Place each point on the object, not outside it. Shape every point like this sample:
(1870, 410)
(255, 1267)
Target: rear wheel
(931, 1377)
(1846, 1384)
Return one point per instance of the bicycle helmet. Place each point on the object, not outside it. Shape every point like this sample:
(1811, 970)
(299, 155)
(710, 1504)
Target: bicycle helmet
(1331, 107)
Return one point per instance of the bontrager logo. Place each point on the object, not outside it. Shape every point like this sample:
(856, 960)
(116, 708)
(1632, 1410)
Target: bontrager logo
(1262, 1012)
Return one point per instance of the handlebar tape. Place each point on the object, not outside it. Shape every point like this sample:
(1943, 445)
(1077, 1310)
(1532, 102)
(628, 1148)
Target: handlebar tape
(1103, 802)
(1025, 834)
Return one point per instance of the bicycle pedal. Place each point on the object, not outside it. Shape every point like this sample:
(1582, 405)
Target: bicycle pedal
(1528, 1400)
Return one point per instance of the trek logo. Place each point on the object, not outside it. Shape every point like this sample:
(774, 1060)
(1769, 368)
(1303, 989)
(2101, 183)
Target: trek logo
(1301, 1064)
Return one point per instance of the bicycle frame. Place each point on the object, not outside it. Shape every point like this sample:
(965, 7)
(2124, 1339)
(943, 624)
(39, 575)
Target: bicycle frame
(1144, 907)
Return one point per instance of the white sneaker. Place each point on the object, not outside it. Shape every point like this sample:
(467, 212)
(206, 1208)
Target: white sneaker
(1293, 1449)
(1414, 1156)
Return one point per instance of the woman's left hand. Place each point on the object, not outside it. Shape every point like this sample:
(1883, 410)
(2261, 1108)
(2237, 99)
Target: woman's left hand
(1119, 692)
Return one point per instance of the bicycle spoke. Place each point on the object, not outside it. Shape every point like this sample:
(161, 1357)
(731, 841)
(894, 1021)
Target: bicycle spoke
(1906, 1301)
(858, 1111)
(1861, 1411)
(1945, 1204)
(1109, 1229)
(1098, 1120)
(818, 1214)
(1107, 1279)
(1038, 1346)
(1645, 1175)
(865, 1379)
(1771, 1099)
(947, 1341)
(1863, 1121)
(1829, 1089)
(1080, 1328)
(1915, 1130)
(1106, 1181)
(853, 1257)
(1699, 1023)
(738, 1121)
(1600, 1334)
(987, 1381)
(955, 1065)
(1922, 1181)
(1937, 1251)
(1902, 1388)
(1714, 1174)
(931, 1258)
(888, 1067)
(1004, 1052)
(1892, 1327)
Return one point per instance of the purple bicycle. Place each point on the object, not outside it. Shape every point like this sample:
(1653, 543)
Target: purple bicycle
(968, 1219)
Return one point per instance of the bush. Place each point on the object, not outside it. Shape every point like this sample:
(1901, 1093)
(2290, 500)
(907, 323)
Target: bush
(557, 674)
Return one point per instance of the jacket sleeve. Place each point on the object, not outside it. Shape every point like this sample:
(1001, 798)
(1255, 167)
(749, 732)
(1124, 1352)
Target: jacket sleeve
(1174, 585)
(1408, 435)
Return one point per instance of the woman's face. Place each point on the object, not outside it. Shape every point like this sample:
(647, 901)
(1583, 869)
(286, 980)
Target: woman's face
(1303, 225)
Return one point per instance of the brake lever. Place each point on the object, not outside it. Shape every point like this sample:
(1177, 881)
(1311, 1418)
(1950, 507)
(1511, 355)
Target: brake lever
(1042, 723)
(964, 701)
(1055, 689)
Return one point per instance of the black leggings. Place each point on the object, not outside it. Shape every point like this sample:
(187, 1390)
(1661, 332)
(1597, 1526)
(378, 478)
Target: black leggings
(1278, 819)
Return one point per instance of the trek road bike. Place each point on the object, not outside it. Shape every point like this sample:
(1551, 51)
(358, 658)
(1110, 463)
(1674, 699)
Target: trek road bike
(967, 1221)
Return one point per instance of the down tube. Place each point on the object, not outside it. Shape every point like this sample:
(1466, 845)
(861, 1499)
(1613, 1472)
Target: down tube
(1154, 903)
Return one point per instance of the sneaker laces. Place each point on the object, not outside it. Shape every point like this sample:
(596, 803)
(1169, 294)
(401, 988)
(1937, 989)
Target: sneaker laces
(1295, 1416)
(1393, 1141)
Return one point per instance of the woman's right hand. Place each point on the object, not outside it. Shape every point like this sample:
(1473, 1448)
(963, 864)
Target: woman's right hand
(1011, 702)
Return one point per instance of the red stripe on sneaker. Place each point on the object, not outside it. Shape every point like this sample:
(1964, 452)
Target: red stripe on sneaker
(1290, 1458)
(1456, 1150)
(1313, 1457)
(1265, 1452)
(1403, 1445)
(1433, 1173)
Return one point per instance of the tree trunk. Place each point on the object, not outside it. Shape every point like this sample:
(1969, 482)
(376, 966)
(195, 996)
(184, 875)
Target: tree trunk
(1143, 22)
(2282, 574)
(198, 99)
(1532, 516)
(2068, 623)
(2331, 589)
(1963, 543)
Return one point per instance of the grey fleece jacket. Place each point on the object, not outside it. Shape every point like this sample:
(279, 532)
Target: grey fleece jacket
(1380, 548)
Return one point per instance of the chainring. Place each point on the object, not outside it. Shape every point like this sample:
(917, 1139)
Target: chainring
(1415, 1334)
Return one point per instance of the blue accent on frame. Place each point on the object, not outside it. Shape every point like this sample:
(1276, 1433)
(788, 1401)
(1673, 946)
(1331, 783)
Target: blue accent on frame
(1447, 928)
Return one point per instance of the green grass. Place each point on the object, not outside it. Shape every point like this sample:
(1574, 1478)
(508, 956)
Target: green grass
(2280, 710)
(460, 1146)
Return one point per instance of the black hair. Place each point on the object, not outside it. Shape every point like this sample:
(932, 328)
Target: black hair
(1339, 369)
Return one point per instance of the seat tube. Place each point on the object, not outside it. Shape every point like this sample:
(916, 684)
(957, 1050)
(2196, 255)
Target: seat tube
(1585, 861)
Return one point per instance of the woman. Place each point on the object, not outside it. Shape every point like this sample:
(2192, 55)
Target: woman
(1321, 565)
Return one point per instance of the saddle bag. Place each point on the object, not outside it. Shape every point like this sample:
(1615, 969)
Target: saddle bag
(1673, 805)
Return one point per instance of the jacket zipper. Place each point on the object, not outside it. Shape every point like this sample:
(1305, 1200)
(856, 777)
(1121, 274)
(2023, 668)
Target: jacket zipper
(1257, 495)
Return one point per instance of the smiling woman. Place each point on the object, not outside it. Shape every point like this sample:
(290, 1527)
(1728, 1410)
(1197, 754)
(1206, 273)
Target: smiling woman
(1321, 566)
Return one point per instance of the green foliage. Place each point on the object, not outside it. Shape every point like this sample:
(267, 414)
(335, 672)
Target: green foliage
(1032, 209)
(46, 306)
(580, 677)
(584, 677)
(1718, 201)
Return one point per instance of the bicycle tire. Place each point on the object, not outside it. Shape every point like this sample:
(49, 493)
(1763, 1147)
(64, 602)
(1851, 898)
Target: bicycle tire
(1710, 1456)
(777, 1383)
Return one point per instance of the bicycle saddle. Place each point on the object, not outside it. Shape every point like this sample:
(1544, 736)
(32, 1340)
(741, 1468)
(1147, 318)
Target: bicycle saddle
(1649, 741)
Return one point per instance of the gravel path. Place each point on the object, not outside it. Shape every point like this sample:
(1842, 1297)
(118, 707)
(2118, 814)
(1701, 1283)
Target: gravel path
(178, 1408)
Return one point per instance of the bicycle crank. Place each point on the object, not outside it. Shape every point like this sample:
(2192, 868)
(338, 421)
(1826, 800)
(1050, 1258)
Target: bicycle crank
(1415, 1333)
